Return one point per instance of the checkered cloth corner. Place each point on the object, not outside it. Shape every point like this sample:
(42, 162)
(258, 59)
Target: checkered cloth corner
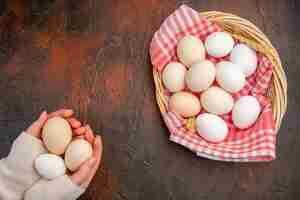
(257, 143)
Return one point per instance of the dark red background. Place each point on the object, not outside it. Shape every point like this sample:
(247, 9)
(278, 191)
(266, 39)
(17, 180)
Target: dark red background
(92, 56)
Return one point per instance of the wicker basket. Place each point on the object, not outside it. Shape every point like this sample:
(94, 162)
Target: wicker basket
(248, 33)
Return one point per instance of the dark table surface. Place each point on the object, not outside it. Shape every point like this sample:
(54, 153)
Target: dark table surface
(93, 56)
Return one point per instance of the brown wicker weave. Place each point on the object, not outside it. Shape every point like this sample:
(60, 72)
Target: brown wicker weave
(248, 33)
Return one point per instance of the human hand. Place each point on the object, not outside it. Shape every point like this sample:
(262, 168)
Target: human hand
(84, 175)
(35, 129)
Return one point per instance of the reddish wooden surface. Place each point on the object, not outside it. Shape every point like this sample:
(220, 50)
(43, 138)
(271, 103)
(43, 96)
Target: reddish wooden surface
(93, 56)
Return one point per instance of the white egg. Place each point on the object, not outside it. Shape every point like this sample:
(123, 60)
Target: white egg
(211, 127)
(245, 112)
(200, 76)
(57, 134)
(185, 104)
(50, 166)
(230, 77)
(219, 44)
(77, 153)
(217, 101)
(190, 49)
(173, 76)
(245, 58)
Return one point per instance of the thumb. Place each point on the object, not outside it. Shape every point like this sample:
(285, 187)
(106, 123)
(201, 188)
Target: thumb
(42, 119)
(35, 128)
(82, 174)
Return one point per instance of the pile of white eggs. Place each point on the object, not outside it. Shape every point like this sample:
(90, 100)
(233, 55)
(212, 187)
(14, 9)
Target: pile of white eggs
(57, 138)
(197, 83)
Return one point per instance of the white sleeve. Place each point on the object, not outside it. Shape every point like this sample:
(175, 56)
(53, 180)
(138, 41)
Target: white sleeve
(17, 173)
(61, 188)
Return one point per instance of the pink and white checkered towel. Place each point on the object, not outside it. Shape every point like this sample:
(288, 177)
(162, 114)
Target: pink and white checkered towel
(256, 143)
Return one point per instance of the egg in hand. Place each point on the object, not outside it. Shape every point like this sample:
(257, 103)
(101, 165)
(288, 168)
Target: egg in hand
(50, 166)
(77, 153)
(57, 134)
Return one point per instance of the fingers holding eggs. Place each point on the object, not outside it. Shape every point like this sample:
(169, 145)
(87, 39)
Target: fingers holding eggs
(80, 131)
(86, 172)
(85, 132)
(35, 128)
(97, 156)
(89, 135)
(78, 151)
(81, 176)
(71, 145)
(75, 123)
(65, 113)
